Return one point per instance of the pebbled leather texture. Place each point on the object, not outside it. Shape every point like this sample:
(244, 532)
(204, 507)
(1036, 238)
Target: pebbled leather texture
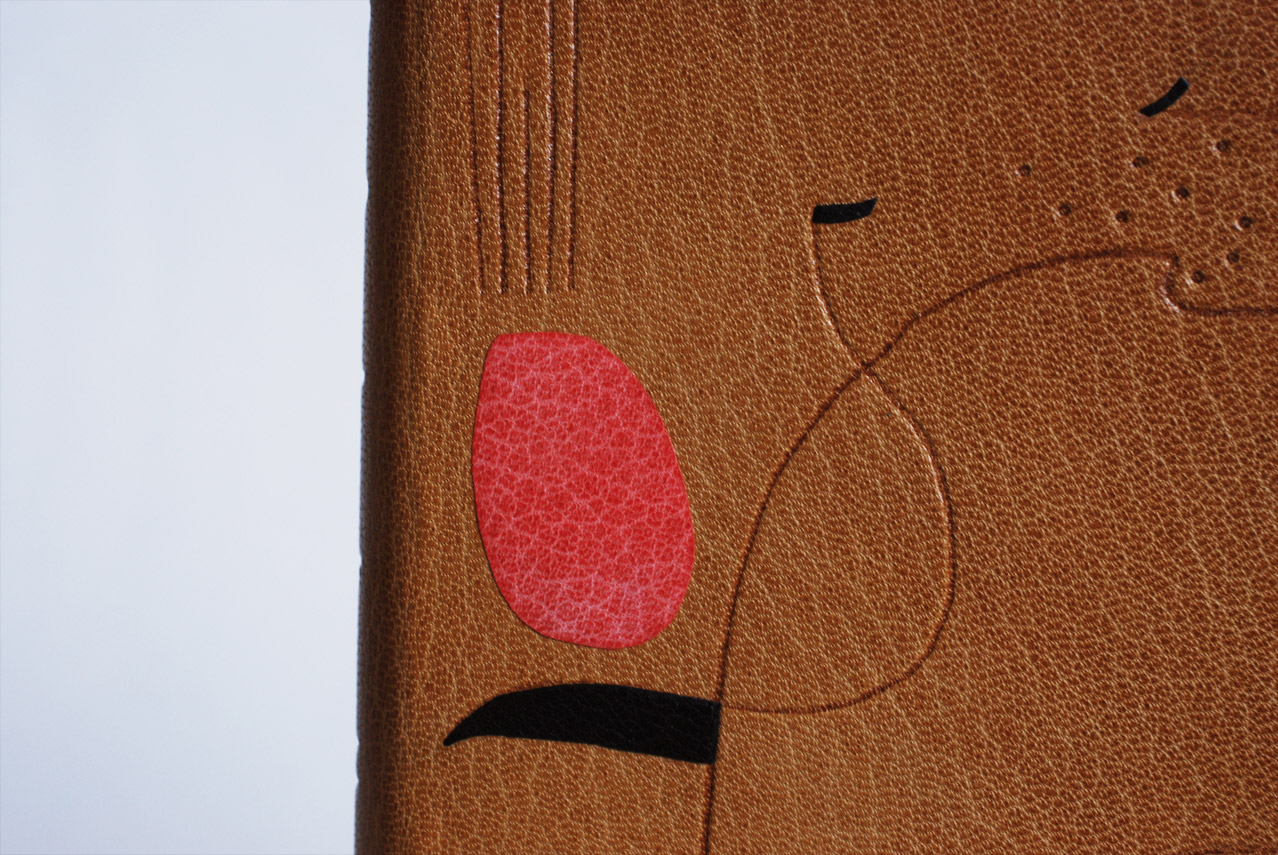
(581, 505)
(983, 475)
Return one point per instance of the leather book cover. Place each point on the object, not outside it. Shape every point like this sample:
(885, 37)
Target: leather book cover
(821, 427)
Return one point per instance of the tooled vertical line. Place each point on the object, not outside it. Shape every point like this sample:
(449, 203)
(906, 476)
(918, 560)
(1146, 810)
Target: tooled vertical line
(474, 145)
(572, 174)
(550, 139)
(501, 149)
(705, 838)
(527, 174)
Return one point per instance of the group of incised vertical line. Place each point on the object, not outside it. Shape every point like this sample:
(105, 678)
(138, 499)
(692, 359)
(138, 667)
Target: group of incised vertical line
(522, 63)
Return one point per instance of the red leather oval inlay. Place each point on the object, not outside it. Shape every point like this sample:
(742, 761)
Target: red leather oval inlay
(581, 504)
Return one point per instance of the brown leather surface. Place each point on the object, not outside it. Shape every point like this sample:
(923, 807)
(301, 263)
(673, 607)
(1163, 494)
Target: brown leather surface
(984, 486)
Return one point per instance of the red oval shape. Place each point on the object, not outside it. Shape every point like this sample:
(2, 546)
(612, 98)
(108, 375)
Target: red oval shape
(582, 507)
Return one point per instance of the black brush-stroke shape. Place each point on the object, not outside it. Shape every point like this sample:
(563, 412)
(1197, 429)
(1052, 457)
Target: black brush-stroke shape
(622, 718)
(1179, 88)
(846, 213)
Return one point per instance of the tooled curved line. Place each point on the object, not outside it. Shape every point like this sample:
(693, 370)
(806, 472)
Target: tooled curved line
(474, 146)
(944, 490)
(1165, 289)
(867, 370)
(736, 590)
(754, 533)
(1016, 272)
(825, 300)
(1168, 293)
(922, 437)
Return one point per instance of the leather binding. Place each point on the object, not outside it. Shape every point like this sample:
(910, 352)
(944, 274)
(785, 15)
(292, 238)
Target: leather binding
(950, 329)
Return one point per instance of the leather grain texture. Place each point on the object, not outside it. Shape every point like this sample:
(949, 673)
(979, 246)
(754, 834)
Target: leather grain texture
(578, 494)
(983, 482)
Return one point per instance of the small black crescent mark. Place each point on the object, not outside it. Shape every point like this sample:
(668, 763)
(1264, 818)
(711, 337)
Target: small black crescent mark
(622, 718)
(845, 213)
(1179, 88)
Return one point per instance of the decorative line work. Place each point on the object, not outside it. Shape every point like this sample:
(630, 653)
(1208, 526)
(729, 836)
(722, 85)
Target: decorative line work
(1014, 273)
(622, 718)
(833, 215)
(1179, 88)
(825, 299)
(867, 371)
(521, 64)
(943, 490)
(474, 151)
(1170, 297)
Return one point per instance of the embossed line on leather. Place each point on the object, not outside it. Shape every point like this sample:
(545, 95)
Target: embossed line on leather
(828, 215)
(580, 502)
(863, 606)
(522, 66)
(623, 718)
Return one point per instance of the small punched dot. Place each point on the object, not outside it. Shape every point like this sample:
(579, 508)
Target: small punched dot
(1223, 145)
(1233, 257)
(1024, 170)
(1139, 162)
(1182, 192)
(1122, 216)
(1064, 210)
(1198, 277)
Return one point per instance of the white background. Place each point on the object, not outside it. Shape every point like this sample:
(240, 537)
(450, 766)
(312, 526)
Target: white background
(182, 194)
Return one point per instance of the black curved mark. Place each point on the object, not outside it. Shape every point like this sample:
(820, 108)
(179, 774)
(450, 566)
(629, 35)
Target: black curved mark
(622, 718)
(1179, 88)
(845, 213)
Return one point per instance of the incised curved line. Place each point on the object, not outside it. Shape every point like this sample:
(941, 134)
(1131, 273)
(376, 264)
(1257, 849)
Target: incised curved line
(1169, 297)
(825, 300)
(1015, 272)
(867, 370)
(943, 493)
